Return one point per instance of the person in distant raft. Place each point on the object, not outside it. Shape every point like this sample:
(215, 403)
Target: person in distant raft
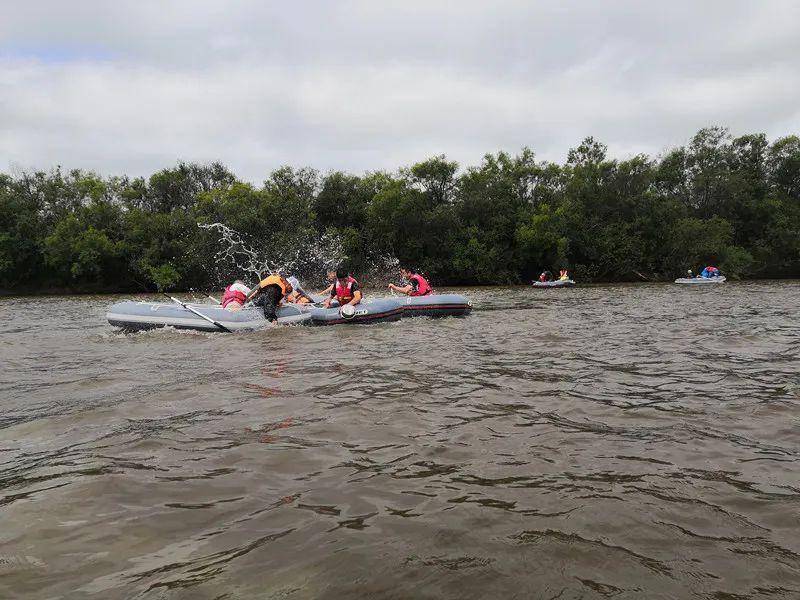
(235, 296)
(564, 275)
(417, 284)
(710, 272)
(269, 294)
(345, 289)
(546, 276)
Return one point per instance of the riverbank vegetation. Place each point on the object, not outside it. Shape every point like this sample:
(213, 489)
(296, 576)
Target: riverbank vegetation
(734, 202)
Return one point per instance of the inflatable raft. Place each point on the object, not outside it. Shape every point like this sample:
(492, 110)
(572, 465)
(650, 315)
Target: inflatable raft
(700, 280)
(372, 310)
(135, 316)
(554, 284)
(436, 305)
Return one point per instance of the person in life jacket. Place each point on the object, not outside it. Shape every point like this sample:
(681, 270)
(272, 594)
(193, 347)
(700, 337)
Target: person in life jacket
(546, 276)
(710, 272)
(298, 295)
(345, 290)
(417, 285)
(235, 296)
(269, 294)
(564, 275)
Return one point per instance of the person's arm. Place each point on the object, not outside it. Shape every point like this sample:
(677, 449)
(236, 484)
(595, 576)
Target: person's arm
(406, 289)
(327, 290)
(253, 293)
(356, 298)
(327, 303)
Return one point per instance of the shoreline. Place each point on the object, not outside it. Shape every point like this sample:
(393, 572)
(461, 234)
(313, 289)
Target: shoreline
(61, 292)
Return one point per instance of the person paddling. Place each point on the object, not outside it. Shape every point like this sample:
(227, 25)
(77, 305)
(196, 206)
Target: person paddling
(344, 289)
(417, 285)
(546, 276)
(235, 296)
(269, 294)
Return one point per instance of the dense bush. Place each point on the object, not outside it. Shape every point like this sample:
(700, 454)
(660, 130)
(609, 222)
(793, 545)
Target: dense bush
(734, 202)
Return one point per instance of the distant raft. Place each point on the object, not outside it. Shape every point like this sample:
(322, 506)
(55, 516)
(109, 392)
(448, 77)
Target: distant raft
(136, 316)
(559, 283)
(437, 305)
(700, 280)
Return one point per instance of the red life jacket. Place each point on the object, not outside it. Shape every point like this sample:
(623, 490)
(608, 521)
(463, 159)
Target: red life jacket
(344, 290)
(232, 295)
(711, 269)
(423, 287)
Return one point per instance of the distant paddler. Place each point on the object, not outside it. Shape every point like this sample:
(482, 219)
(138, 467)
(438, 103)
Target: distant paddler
(269, 294)
(417, 285)
(344, 289)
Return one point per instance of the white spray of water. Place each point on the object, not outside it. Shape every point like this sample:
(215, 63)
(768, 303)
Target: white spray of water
(303, 254)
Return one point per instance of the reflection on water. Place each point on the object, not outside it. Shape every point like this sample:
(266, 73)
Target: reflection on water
(626, 441)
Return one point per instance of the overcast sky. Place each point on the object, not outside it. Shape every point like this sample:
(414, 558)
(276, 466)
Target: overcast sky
(134, 86)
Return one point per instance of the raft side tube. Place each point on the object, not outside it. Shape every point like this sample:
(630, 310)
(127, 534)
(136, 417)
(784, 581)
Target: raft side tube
(130, 315)
(437, 305)
(373, 310)
(559, 283)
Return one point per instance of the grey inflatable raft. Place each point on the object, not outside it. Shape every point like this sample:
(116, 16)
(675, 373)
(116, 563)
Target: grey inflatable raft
(700, 280)
(436, 305)
(134, 316)
(371, 310)
(559, 283)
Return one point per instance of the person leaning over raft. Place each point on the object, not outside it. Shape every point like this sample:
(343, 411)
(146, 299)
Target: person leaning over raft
(269, 293)
(344, 289)
(235, 296)
(298, 295)
(417, 284)
(546, 276)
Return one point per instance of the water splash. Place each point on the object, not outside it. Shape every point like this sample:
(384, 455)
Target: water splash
(236, 257)
(304, 254)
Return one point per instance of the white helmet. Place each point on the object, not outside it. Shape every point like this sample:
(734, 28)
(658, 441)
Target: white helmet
(348, 311)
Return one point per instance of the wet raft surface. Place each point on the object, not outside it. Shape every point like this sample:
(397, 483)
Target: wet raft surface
(603, 441)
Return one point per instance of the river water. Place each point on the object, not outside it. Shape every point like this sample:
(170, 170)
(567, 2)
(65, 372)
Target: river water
(628, 441)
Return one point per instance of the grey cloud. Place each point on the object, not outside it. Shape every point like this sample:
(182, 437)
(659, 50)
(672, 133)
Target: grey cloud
(129, 87)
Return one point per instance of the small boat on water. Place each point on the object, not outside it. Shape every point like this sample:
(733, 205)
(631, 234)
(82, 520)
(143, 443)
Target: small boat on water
(558, 283)
(436, 305)
(701, 280)
(131, 315)
(136, 316)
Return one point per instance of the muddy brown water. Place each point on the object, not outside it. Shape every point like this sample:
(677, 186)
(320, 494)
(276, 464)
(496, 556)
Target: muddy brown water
(601, 441)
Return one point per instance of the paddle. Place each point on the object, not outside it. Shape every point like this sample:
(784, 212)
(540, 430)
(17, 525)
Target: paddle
(214, 299)
(199, 314)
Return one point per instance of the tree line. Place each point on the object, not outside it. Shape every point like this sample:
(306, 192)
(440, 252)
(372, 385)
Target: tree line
(729, 201)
